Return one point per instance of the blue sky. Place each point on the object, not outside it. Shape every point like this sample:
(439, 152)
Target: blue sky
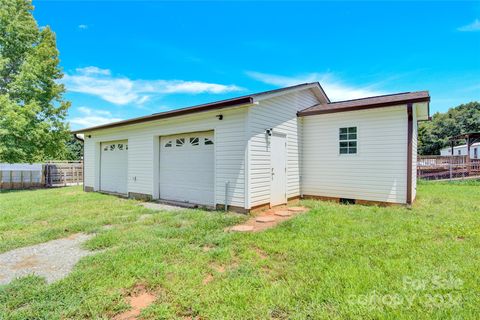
(127, 59)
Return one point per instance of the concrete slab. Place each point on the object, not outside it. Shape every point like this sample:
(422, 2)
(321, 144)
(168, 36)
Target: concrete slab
(160, 206)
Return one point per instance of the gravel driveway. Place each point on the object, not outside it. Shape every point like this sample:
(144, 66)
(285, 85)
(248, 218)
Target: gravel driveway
(52, 260)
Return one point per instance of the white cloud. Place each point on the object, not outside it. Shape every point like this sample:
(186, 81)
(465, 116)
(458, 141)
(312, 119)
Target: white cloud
(122, 90)
(93, 70)
(92, 117)
(474, 26)
(335, 89)
(82, 26)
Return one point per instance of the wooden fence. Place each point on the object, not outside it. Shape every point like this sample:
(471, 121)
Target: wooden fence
(447, 167)
(41, 175)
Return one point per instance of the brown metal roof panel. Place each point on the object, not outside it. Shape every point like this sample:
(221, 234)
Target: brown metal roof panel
(367, 103)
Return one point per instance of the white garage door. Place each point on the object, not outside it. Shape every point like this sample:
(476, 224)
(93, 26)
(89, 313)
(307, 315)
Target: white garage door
(187, 168)
(114, 166)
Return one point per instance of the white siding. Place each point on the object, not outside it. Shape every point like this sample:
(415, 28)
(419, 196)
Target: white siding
(279, 113)
(376, 173)
(143, 141)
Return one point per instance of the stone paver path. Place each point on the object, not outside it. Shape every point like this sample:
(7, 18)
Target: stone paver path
(52, 260)
(267, 219)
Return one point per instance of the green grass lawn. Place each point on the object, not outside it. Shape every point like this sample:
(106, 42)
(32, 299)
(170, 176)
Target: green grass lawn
(334, 262)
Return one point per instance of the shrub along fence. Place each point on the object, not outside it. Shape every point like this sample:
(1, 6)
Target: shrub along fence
(40, 175)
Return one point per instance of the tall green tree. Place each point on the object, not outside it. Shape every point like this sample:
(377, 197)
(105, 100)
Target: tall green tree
(433, 135)
(32, 107)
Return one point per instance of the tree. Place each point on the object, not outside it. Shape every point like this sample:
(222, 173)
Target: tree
(32, 108)
(74, 150)
(433, 135)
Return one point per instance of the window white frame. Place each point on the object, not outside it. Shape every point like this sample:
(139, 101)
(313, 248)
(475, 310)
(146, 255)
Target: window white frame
(348, 140)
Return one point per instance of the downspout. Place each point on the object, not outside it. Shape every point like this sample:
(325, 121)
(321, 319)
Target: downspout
(409, 152)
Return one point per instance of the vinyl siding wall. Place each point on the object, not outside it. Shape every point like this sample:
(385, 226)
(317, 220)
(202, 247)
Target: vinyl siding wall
(279, 113)
(376, 173)
(143, 143)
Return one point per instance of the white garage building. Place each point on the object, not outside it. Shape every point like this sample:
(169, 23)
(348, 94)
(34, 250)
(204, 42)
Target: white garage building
(263, 150)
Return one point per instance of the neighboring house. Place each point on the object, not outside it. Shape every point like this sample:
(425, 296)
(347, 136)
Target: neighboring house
(462, 151)
(263, 149)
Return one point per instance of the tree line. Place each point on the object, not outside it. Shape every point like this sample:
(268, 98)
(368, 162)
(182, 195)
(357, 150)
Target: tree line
(433, 135)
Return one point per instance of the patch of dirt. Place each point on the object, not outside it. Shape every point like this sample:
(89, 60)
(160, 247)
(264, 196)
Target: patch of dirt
(218, 268)
(27, 262)
(460, 238)
(207, 247)
(262, 254)
(73, 236)
(139, 299)
(207, 279)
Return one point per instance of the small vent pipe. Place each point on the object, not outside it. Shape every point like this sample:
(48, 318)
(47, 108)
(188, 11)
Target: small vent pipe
(227, 183)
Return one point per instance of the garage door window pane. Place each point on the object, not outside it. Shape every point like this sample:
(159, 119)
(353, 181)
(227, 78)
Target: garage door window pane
(208, 141)
(105, 148)
(112, 147)
(120, 146)
(194, 141)
(180, 142)
(168, 144)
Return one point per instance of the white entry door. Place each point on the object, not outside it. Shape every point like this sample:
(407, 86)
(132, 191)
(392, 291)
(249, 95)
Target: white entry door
(187, 168)
(278, 160)
(114, 166)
